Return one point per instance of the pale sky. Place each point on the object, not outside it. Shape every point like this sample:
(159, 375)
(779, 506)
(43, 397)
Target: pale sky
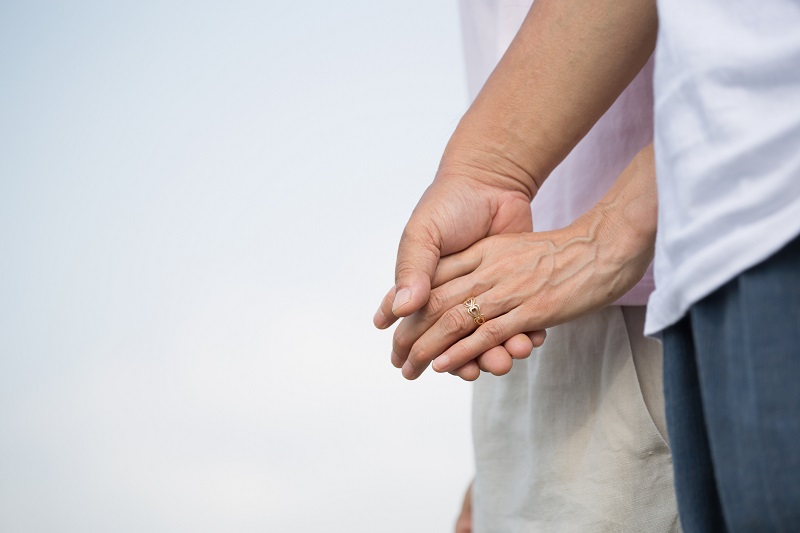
(200, 204)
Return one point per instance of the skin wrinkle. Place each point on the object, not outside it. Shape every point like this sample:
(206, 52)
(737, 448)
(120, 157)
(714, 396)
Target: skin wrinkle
(490, 168)
(527, 117)
(563, 269)
(605, 247)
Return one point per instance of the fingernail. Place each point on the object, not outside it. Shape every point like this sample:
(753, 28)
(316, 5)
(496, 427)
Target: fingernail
(408, 370)
(395, 360)
(400, 299)
(379, 319)
(441, 363)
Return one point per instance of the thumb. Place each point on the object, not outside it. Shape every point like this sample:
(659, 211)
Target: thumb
(417, 257)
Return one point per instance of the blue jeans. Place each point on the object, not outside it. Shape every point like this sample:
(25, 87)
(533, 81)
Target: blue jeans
(732, 388)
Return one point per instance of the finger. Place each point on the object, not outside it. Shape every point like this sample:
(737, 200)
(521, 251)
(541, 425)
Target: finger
(383, 316)
(496, 360)
(537, 337)
(442, 299)
(417, 257)
(397, 362)
(455, 324)
(456, 265)
(490, 334)
(519, 346)
(468, 372)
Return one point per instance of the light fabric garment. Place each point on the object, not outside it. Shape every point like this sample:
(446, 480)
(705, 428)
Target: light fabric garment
(595, 163)
(727, 108)
(566, 442)
(572, 439)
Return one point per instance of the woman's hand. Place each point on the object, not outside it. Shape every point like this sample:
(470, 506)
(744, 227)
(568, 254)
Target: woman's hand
(530, 281)
(455, 212)
(529, 115)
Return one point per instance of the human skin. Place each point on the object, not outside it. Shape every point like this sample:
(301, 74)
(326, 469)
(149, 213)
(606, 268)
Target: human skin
(530, 281)
(566, 66)
(631, 203)
(464, 520)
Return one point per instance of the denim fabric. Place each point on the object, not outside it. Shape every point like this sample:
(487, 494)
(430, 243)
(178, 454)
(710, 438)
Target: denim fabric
(732, 388)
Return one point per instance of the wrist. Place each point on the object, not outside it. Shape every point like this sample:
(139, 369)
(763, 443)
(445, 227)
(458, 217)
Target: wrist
(637, 217)
(484, 162)
(625, 222)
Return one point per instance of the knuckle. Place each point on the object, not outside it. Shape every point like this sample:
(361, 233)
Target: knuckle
(421, 234)
(418, 357)
(421, 229)
(436, 303)
(411, 232)
(402, 340)
(493, 332)
(454, 322)
(405, 267)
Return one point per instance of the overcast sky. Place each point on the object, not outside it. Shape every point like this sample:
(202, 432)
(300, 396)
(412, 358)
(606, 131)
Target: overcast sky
(200, 204)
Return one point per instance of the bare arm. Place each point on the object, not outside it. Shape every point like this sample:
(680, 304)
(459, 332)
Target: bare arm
(568, 63)
(532, 281)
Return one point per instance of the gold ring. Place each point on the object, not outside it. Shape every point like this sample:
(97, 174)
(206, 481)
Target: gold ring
(474, 310)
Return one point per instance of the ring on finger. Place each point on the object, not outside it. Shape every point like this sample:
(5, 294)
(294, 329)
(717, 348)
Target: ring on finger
(474, 310)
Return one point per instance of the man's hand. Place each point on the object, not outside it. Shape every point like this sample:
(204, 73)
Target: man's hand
(531, 281)
(568, 63)
(455, 212)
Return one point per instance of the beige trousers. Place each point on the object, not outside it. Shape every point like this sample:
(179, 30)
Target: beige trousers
(573, 439)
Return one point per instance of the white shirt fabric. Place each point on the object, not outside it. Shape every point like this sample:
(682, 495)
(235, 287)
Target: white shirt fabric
(595, 163)
(573, 438)
(727, 113)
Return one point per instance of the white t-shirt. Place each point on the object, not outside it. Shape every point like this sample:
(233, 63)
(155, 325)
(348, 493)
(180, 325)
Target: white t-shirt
(587, 173)
(727, 114)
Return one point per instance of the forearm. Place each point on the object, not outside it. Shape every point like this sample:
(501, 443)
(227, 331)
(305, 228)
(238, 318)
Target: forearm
(530, 281)
(568, 63)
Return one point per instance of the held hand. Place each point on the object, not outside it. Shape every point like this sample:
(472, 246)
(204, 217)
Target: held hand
(522, 282)
(455, 212)
(497, 360)
(526, 119)
(532, 281)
